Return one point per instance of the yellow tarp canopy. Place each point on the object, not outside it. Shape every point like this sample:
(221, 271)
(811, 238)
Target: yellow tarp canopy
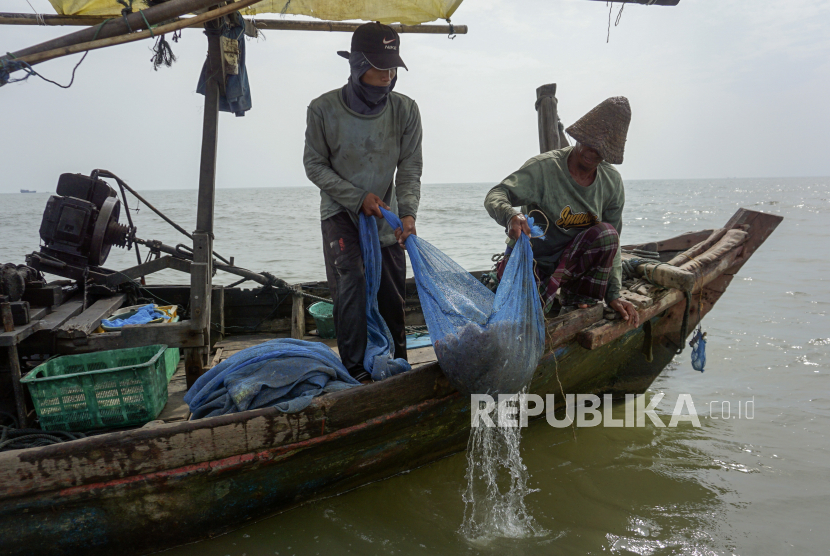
(408, 12)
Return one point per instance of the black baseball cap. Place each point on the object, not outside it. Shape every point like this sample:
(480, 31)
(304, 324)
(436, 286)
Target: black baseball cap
(380, 44)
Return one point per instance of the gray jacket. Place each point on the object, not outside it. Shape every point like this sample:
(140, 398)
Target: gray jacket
(349, 155)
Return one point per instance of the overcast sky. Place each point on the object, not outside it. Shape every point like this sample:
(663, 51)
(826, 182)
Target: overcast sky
(718, 88)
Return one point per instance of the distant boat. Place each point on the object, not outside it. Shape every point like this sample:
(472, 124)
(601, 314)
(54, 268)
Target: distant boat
(27, 191)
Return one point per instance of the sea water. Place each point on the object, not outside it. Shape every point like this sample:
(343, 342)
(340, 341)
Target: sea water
(497, 480)
(734, 486)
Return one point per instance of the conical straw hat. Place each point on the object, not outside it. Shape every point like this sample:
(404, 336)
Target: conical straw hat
(604, 128)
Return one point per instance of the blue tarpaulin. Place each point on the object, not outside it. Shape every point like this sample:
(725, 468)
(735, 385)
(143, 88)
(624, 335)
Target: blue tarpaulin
(283, 373)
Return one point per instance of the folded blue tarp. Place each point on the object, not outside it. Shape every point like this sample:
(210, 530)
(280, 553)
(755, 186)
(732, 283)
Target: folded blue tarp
(283, 373)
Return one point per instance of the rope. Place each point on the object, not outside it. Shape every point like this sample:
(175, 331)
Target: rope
(9, 66)
(38, 17)
(684, 327)
(149, 27)
(451, 35)
(12, 438)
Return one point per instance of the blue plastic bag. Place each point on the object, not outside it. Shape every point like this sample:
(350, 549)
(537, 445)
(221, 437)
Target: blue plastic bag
(698, 344)
(379, 358)
(486, 343)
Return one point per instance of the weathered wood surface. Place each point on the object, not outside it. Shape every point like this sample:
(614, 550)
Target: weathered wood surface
(604, 332)
(22, 332)
(85, 323)
(174, 334)
(551, 137)
(678, 243)
(298, 327)
(560, 330)
(17, 386)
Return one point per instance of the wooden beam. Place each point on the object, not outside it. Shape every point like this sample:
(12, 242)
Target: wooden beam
(201, 275)
(119, 25)
(156, 265)
(44, 55)
(82, 325)
(551, 137)
(561, 330)
(262, 24)
(176, 334)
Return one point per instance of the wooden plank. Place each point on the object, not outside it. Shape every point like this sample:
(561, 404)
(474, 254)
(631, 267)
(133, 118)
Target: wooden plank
(677, 243)
(62, 314)
(20, 333)
(176, 334)
(561, 330)
(46, 296)
(83, 324)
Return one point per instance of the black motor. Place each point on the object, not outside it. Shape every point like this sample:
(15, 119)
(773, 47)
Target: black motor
(80, 225)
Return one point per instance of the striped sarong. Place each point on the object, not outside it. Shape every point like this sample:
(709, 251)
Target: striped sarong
(584, 268)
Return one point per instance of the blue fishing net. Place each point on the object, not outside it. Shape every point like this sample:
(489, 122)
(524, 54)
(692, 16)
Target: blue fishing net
(698, 344)
(486, 343)
(379, 358)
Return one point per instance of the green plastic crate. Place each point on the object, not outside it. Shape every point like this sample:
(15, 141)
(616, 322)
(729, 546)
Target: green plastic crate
(171, 361)
(106, 389)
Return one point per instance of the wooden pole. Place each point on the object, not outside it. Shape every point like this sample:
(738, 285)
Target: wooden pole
(43, 56)
(551, 133)
(202, 269)
(19, 395)
(297, 315)
(262, 24)
(119, 25)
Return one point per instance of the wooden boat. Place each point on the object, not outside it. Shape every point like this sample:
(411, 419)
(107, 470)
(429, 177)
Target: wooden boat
(175, 481)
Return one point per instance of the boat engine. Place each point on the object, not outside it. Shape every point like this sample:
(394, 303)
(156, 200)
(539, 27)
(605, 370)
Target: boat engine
(79, 227)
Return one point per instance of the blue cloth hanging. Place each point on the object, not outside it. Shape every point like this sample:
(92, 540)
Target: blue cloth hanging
(237, 97)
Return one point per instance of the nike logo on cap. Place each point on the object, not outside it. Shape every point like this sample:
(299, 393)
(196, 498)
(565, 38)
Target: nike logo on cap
(390, 41)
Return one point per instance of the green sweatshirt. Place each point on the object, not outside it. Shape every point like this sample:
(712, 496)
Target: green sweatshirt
(544, 183)
(349, 155)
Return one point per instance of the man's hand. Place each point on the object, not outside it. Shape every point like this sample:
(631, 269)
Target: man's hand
(626, 310)
(408, 229)
(371, 204)
(518, 225)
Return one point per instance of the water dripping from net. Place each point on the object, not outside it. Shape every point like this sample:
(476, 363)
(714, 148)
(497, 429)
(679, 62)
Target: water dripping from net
(494, 501)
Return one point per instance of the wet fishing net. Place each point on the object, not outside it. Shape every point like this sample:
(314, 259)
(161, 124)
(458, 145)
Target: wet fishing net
(486, 343)
(378, 359)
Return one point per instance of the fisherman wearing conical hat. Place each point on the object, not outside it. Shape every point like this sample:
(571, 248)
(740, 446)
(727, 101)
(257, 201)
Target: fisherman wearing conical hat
(363, 150)
(581, 195)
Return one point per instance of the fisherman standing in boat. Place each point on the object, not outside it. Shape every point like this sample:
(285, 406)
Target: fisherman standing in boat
(363, 150)
(582, 197)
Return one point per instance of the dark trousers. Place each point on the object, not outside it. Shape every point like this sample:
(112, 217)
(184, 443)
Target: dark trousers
(347, 284)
